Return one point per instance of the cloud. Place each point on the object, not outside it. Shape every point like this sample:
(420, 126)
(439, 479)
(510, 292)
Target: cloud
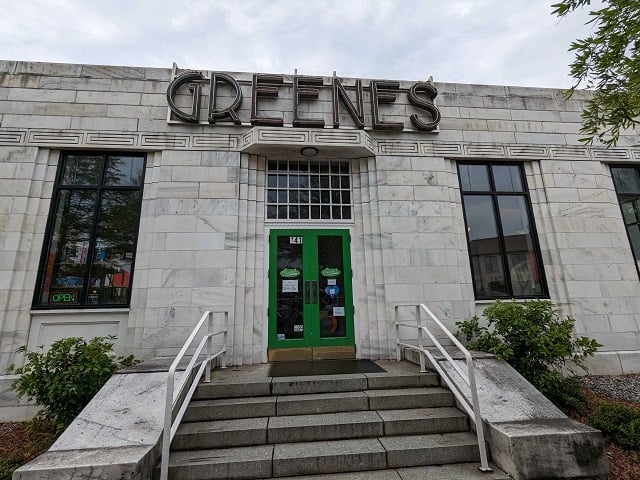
(480, 41)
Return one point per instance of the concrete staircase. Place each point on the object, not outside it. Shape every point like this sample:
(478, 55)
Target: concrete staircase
(376, 426)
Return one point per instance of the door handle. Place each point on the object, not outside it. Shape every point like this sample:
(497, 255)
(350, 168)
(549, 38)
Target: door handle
(307, 292)
(311, 292)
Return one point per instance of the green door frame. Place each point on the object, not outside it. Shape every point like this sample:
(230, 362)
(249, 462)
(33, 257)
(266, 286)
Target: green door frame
(310, 293)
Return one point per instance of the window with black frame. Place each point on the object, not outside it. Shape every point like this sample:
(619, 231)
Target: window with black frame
(627, 182)
(90, 245)
(308, 190)
(503, 248)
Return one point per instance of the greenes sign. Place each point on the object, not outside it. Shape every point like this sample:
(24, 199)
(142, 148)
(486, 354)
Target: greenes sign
(224, 99)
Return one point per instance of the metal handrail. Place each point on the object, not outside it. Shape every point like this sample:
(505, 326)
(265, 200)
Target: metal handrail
(469, 378)
(174, 393)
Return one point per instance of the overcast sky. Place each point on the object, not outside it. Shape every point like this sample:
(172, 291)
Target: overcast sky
(503, 42)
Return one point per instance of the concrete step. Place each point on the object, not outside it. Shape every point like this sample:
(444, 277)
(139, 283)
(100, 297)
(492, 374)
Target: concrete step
(291, 429)
(456, 471)
(378, 381)
(232, 389)
(423, 421)
(420, 450)
(393, 399)
(345, 425)
(329, 457)
(371, 454)
(221, 434)
(321, 403)
(318, 384)
(389, 399)
(324, 426)
(316, 427)
(351, 383)
(228, 463)
(230, 408)
(334, 456)
(314, 384)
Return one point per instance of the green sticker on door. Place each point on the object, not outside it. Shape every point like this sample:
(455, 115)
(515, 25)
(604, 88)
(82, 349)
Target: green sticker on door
(330, 272)
(290, 273)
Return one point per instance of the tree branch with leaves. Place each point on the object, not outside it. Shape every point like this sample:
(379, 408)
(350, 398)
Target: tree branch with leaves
(607, 62)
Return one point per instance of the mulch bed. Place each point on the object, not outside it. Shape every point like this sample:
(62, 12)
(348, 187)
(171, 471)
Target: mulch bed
(19, 445)
(623, 464)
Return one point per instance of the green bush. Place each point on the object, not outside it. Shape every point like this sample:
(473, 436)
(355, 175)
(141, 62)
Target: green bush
(628, 436)
(65, 378)
(533, 339)
(620, 422)
(567, 394)
(7, 466)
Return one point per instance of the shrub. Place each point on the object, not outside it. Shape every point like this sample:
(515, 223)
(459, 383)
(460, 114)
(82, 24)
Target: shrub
(64, 379)
(533, 339)
(628, 436)
(8, 465)
(567, 393)
(620, 422)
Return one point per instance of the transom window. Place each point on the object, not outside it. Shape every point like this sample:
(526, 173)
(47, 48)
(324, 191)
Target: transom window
(93, 227)
(306, 190)
(505, 256)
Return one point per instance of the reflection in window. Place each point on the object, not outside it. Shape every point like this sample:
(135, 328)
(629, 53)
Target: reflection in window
(505, 257)
(303, 190)
(91, 241)
(289, 316)
(627, 182)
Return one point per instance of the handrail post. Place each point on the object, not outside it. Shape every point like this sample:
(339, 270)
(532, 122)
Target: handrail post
(166, 434)
(207, 373)
(398, 351)
(484, 462)
(224, 339)
(420, 343)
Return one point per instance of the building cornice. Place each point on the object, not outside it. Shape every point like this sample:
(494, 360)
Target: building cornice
(265, 141)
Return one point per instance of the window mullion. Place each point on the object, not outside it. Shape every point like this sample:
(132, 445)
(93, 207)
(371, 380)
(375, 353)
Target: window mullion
(135, 246)
(635, 202)
(92, 236)
(502, 243)
(466, 226)
(500, 231)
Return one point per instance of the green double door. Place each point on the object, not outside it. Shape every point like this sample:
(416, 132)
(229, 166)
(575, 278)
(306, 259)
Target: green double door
(310, 295)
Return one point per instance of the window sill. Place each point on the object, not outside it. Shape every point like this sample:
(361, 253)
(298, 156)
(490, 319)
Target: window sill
(486, 301)
(78, 311)
(304, 222)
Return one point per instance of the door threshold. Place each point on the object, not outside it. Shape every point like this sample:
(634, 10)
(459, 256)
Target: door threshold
(323, 367)
(311, 353)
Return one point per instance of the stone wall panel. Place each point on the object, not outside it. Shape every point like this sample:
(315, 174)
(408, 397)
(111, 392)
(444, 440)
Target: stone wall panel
(202, 240)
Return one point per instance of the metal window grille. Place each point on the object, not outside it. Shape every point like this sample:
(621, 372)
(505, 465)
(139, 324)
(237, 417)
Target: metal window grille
(306, 190)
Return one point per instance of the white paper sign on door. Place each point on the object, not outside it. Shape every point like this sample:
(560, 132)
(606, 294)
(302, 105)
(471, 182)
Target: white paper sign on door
(338, 311)
(289, 286)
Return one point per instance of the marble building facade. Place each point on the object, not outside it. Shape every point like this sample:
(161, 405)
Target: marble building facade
(206, 215)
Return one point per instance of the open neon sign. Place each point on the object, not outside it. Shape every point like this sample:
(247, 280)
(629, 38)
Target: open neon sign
(66, 297)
